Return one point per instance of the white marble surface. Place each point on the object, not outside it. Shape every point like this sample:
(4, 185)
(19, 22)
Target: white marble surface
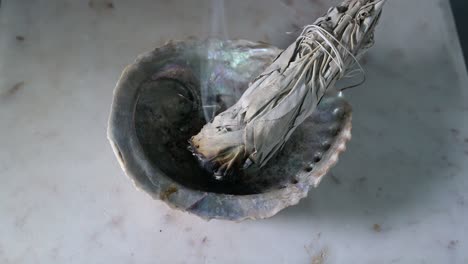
(398, 195)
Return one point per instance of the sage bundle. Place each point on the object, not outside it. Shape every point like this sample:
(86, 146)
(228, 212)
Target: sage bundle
(288, 91)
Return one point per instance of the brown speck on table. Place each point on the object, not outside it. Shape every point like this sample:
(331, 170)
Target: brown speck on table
(95, 239)
(117, 190)
(20, 221)
(362, 179)
(99, 5)
(116, 221)
(377, 228)
(204, 240)
(20, 38)
(452, 244)
(55, 189)
(455, 131)
(54, 252)
(14, 89)
(288, 2)
(397, 53)
(160, 230)
(379, 192)
(94, 236)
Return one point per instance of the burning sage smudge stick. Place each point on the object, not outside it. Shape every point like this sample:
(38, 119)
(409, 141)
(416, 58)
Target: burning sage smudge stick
(288, 91)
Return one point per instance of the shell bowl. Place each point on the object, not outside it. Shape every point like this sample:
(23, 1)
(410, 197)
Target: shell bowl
(158, 106)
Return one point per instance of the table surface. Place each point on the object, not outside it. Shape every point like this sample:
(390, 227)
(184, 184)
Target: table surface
(398, 195)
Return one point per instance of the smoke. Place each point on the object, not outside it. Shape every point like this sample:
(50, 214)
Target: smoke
(218, 30)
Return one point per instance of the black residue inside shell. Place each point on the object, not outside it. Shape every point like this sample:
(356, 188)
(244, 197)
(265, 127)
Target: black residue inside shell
(169, 111)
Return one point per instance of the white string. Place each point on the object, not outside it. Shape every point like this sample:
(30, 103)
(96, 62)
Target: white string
(306, 40)
(341, 44)
(361, 69)
(352, 73)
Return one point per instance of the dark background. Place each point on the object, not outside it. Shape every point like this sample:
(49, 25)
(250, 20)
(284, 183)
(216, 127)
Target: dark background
(460, 11)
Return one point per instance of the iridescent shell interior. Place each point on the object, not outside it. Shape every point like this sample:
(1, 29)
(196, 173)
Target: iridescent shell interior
(158, 106)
